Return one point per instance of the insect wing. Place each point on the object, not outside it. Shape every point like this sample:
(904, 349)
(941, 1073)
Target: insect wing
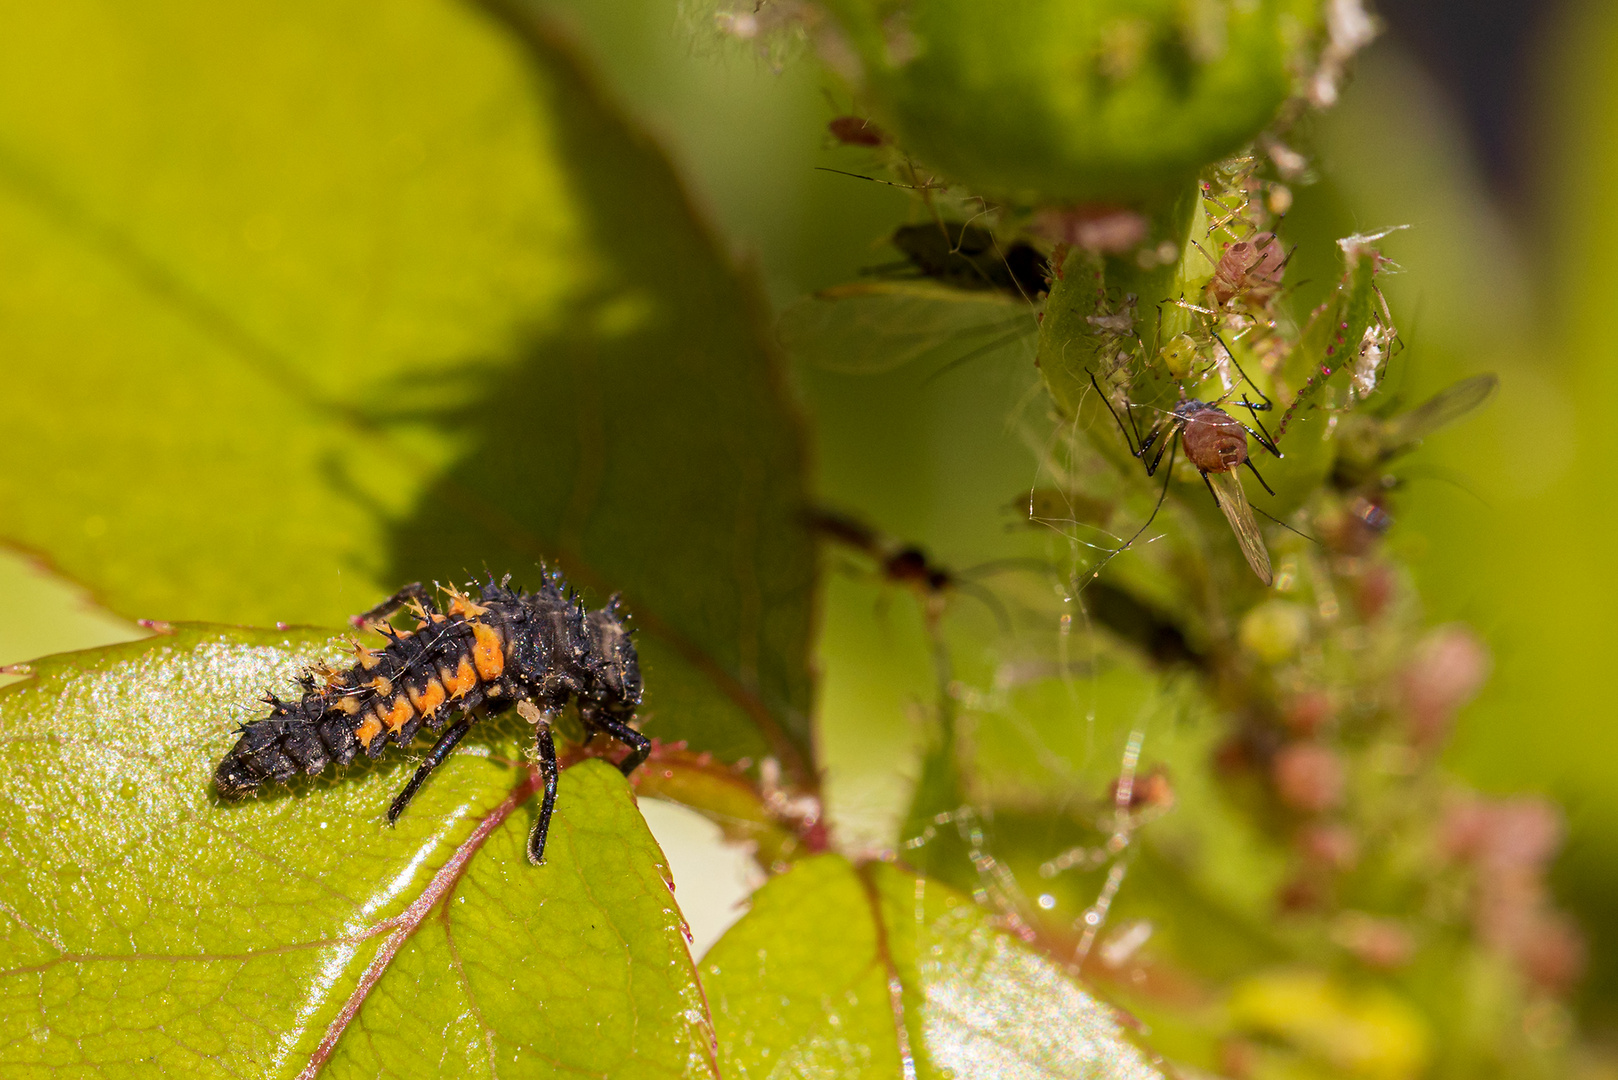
(1227, 489)
(872, 327)
(1402, 433)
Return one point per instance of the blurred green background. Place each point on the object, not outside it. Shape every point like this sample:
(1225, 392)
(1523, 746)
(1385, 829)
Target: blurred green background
(1509, 526)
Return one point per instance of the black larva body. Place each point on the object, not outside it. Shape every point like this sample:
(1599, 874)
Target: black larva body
(471, 659)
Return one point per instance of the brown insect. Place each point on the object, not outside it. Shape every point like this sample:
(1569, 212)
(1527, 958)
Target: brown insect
(1216, 443)
(856, 131)
(1251, 267)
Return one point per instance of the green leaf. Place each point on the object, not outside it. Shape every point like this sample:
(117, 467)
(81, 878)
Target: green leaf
(152, 929)
(870, 971)
(304, 301)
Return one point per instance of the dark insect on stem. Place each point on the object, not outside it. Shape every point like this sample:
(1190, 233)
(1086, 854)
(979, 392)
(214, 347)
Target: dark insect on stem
(968, 257)
(469, 659)
(908, 565)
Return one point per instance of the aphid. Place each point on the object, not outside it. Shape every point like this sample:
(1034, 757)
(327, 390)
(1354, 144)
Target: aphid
(969, 257)
(1180, 356)
(910, 566)
(1376, 442)
(856, 131)
(475, 658)
(1216, 443)
(1250, 267)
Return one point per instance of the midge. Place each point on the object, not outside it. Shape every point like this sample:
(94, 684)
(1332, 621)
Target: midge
(472, 658)
(1216, 443)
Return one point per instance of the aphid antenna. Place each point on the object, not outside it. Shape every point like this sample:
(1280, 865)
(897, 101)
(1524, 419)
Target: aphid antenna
(973, 354)
(1136, 446)
(1283, 524)
(1095, 571)
(982, 595)
(983, 213)
(1291, 253)
(1182, 302)
(927, 185)
(1011, 562)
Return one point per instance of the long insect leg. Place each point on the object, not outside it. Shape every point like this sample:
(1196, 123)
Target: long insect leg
(545, 749)
(639, 745)
(1262, 434)
(435, 757)
(1267, 404)
(412, 592)
(1136, 447)
(1255, 472)
(1151, 470)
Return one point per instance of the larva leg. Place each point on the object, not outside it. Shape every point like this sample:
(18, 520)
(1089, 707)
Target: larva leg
(639, 745)
(435, 757)
(546, 752)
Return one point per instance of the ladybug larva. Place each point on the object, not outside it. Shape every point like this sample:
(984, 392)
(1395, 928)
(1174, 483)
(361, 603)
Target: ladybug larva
(468, 659)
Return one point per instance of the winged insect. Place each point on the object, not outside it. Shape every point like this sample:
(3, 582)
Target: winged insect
(1216, 443)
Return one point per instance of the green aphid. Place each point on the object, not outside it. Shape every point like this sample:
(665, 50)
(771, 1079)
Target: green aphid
(1180, 356)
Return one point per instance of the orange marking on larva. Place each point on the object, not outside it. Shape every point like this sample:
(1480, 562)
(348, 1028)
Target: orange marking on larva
(382, 685)
(349, 705)
(462, 681)
(488, 651)
(370, 729)
(400, 714)
(369, 658)
(461, 604)
(428, 698)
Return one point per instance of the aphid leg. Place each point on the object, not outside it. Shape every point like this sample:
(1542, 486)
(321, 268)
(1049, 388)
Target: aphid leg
(1136, 447)
(1266, 405)
(435, 757)
(1262, 434)
(1255, 472)
(545, 751)
(412, 592)
(1151, 470)
(639, 745)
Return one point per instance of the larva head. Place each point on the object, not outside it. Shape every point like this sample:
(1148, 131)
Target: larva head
(614, 666)
(1214, 441)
